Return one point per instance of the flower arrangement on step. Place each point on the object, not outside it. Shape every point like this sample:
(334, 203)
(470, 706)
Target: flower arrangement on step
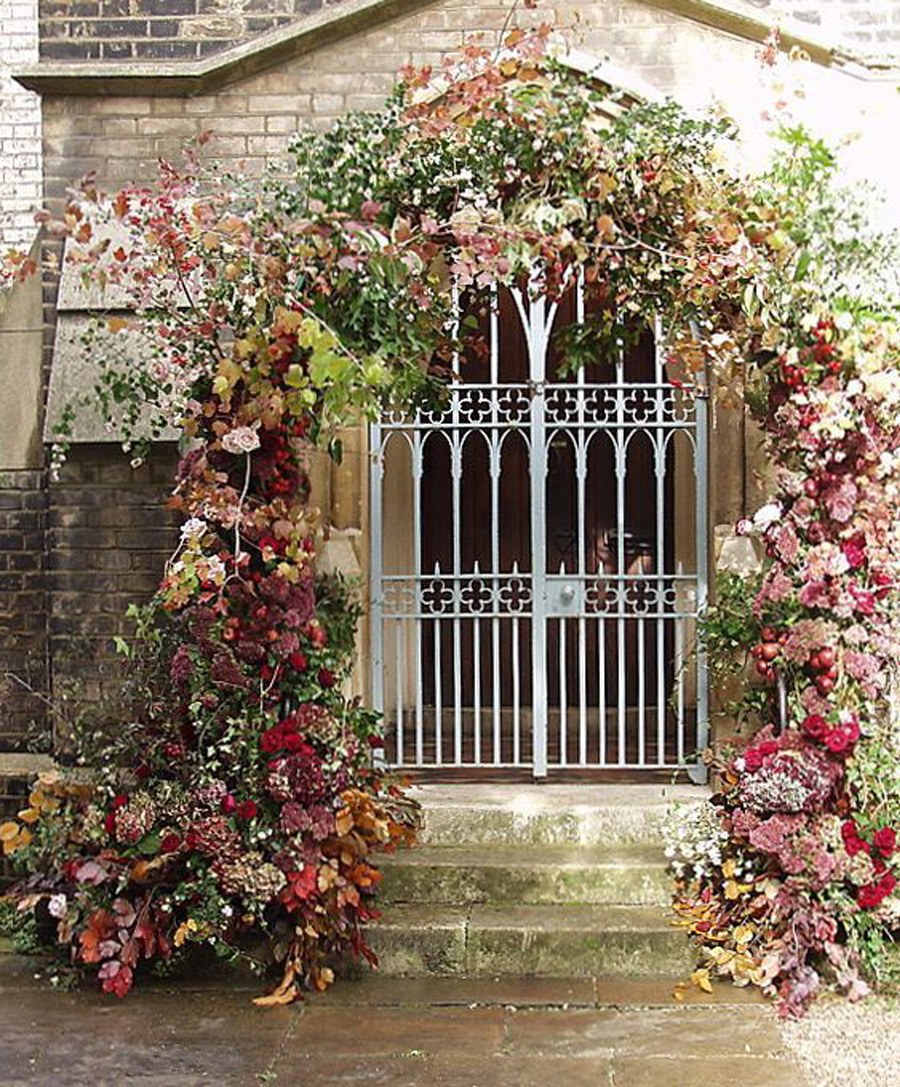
(789, 878)
(245, 799)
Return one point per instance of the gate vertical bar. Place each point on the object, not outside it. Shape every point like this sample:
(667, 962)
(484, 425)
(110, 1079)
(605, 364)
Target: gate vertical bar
(699, 772)
(581, 459)
(536, 337)
(456, 457)
(418, 633)
(495, 454)
(659, 469)
(621, 584)
(376, 559)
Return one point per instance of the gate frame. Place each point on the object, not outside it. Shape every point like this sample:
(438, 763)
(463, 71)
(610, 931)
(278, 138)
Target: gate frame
(538, 315)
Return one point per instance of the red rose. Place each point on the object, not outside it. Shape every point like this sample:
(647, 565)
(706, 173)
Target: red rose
(119, 801)
(109, 823)
(752, 759)
(885, 841)
(246, 809)
(170, 843)
(228, 805)
(873, 894)
(297, 661)
(142, 772)
(270, 741)
(292, 742)
(326, 677)
(841, 738)
(815, 726)
(853, 844)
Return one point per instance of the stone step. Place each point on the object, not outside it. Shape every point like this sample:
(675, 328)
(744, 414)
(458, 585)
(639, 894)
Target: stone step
(545, 941)
(511, 874)
(531, 815)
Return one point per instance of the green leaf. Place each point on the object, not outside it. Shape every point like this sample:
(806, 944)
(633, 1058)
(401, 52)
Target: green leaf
(149, 844)
(295, 377)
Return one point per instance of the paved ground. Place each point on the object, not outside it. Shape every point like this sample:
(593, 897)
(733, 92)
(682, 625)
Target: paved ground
(389, 1033)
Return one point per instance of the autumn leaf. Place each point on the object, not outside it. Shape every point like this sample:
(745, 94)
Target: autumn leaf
(700, 978)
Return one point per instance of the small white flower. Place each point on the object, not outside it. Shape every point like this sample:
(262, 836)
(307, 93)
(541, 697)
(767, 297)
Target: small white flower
(193, 529)
(58, 906)
(767, 515)
(243, 439)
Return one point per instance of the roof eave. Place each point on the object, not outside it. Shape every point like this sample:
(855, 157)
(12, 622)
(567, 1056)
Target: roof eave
(186, 78)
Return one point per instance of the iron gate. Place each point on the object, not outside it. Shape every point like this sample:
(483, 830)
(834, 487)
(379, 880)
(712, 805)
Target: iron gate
(539, 560)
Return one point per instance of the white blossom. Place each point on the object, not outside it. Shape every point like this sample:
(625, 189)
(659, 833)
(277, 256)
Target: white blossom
(243, 439)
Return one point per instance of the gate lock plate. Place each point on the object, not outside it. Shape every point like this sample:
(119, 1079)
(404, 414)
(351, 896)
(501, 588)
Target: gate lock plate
(564, 596)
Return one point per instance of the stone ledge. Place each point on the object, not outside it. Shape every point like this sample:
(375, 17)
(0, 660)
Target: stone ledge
(15, 764)
(185, 78)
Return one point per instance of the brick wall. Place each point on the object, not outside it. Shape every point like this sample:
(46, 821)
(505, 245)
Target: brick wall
(23, 648)
(161, 29)
(20, 126)
(108, 537)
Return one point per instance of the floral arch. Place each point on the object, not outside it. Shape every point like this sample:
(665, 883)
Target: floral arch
(244, 796)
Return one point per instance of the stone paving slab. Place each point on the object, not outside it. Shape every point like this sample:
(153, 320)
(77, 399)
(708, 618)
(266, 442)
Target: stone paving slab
(390, 1032)
(645, 1032)
(83, 1039)
(462, 992)
(713, 1071)
(397, 1032)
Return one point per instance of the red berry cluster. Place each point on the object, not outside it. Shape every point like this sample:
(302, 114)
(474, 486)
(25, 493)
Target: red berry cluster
(767, 652)
(815, 360)
(276, 466)
(823, 669)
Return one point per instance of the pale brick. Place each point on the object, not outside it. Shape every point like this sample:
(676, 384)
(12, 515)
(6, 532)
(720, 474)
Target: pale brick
(164, 126)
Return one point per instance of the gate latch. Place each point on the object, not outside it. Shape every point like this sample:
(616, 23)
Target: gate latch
(564, 596)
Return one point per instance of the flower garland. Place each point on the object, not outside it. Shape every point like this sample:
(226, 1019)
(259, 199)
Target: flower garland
(794, 881)
(247, 799)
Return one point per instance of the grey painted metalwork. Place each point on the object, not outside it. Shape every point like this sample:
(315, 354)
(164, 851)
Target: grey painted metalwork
(596, 666)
